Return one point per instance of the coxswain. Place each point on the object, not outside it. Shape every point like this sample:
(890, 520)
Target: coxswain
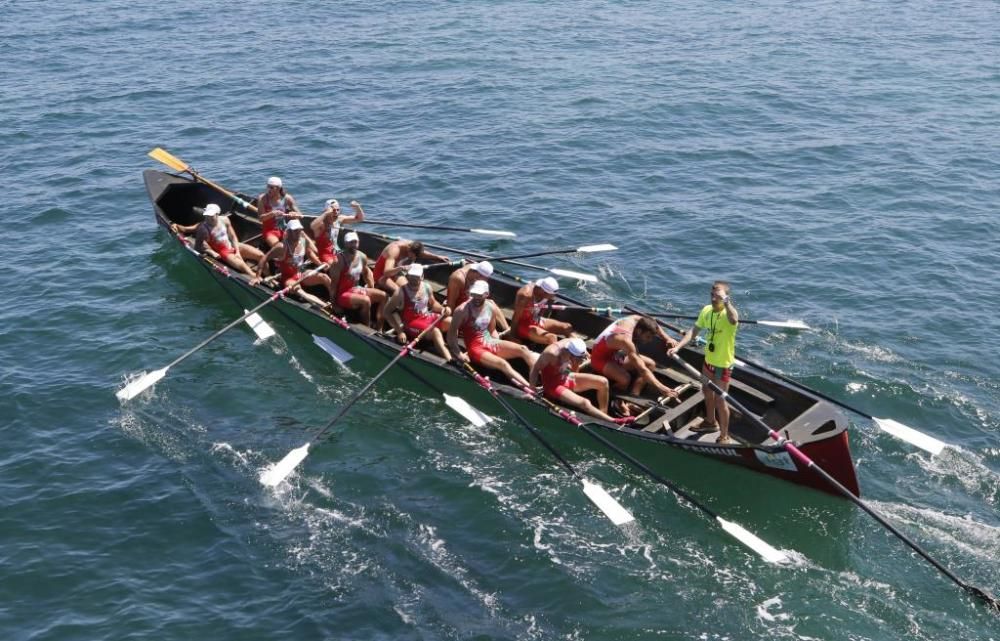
(395, 257)
(462, 278)
(275, 207)
(477, 320)
(291, 255)
(217, 231)
(419, 309)
(326, 228)
(616, 357)
(530, 302)
(558, 368)
(352, 284)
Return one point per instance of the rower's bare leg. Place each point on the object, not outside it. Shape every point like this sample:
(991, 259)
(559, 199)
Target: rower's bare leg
(538, 335)
(303, 294)
(363, 304)
(557, 327)
(237, 263)
(494, 361)
(271, 240)
(596, 382)
(710, 403)
(438, 338)
(386, 284)
(643, 366)
(571, 398)
(379, 298)
(510, 349)
(249, 252)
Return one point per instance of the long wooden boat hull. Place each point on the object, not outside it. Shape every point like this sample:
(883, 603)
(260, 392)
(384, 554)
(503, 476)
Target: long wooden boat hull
(816, 426)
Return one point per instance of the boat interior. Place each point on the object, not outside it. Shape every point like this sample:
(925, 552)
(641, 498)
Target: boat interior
(795, 414)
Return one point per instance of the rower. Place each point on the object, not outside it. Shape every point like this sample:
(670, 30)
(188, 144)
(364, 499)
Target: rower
(346, 274)
(394, 258)
(616, 357)
(477, 319)
(419, 309)
(222, 241)
(290, 255)
(275, 207)
(528, 306)
(462, 278)
(326, 228)
(558, 368)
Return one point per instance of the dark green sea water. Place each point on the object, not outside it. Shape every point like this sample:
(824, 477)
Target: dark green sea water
(839, 162)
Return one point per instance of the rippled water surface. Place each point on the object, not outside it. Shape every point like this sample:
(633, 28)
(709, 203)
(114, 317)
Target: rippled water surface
(838, 162)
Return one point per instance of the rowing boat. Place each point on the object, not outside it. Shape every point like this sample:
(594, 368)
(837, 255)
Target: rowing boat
(816, 426)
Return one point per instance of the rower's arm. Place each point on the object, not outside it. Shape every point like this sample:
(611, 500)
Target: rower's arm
(264, 216)
(311, 252)
(368, 275)
(520, 300)
(731, 313)
(438, 258)
(688, 336)
(500, 319)
(359, 214)
(395, 303)
(456, 323)
(233, 238)
(293, 207)
(264, 266)
(184, 229)
(335, 271)
(536, 369)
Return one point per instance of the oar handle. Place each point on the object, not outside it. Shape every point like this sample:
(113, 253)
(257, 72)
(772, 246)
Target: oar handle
(806, 461)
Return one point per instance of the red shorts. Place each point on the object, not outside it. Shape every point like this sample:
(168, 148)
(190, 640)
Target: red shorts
(225, 251)
(524, 328)
(418, 324)
(718, 374)
(327, 257)
(600, 358)
(276, 234)
(344, 300)
(553, 389)
(476, 350)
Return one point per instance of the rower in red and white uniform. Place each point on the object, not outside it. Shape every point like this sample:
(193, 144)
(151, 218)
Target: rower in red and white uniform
(462, 278)
(616, 356)
(419, 309)
(351, 282)
(558, 369)
(217, 232)
(290, 255)
(529, 325)
(477, 320)
(395, 257)
(326, 228)
(275, 207)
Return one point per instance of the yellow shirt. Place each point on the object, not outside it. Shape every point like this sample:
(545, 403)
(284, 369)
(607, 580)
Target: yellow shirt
(721, 335)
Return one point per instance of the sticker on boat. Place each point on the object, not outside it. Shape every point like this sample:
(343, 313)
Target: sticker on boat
(780, 460)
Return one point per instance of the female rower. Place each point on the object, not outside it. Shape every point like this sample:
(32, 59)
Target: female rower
(477, 319)
(290, 255)
(221, 238)
(326, 228)
(419, 309)
(275, 207)
(346, 290)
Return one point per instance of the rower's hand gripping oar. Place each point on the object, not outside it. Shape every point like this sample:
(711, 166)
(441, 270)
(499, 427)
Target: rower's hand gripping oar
(137, 386)
(766, 551)
(808, 463)
(597, 494)
(278, 472)
(472, 230)
(175, 163)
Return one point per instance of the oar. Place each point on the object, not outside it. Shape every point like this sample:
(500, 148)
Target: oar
(175, 163)
(590, 278)
(278, 472)
(137, 386)
(903, 432)
(260, 327)
(766, 551)
(787, 324)
(586, 249)
(597, 494)
(473, 230)
(808, 463)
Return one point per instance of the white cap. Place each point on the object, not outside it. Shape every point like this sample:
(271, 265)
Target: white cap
(548, 284)
(484, 268)
(293, 224)
(211, 209)
(576, 347)
(351, 237)
(415, 269)
(274, 181)
(332, 203)
(479, 288)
